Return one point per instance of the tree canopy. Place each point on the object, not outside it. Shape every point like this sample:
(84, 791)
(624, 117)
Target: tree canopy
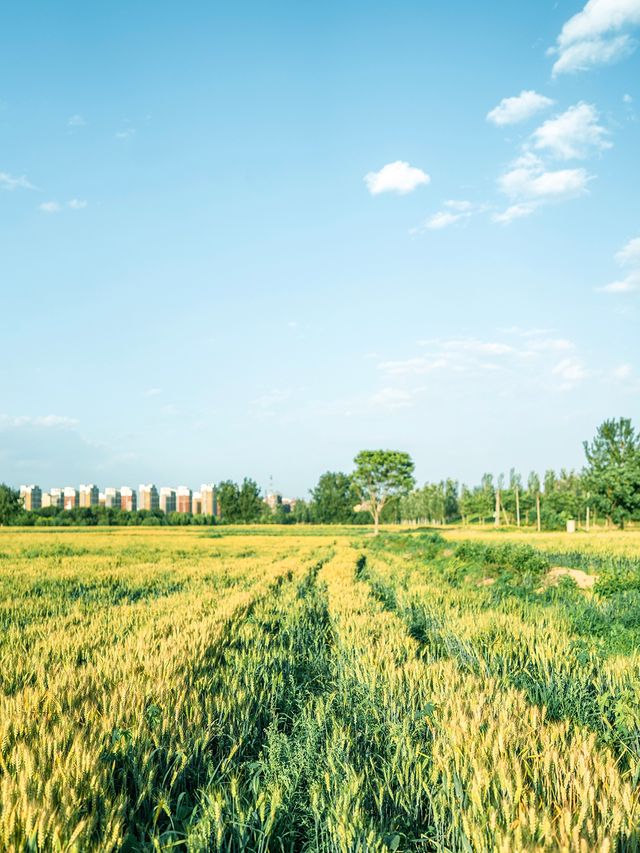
(10, 503)
(334, 498)
(381, 475)
(240, 503)
(612, 475)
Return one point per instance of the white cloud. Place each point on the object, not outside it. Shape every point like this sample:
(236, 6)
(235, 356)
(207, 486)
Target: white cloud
(627, 99)
(76, 121)
(531, 359)
(571, 371)
(462, 205)
(77, 204)
(46, 421)
(13, 182)
(574, 134)
(628, 258)
(153, 392)
(442, 219)
(528, 179)
(514, 211)
(551, 345)
(398, 177)
(629, 255)
(50, 207)
(622, 372)
(126, 134)
(456, 210)
(624, 285)
(586, 54)
(519, 108)
(595, 35)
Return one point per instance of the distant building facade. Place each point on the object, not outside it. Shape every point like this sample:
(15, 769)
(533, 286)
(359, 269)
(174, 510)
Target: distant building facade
(209, 495)
(89, 495)
(71, 497)
(54, 498)
(128, 499)
(167, 499)
(184, 499)
(31, 497)
(112, 498)
(148, 497)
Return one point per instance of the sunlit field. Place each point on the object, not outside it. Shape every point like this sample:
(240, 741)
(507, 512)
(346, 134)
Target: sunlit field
(320, 689)
(598, 541)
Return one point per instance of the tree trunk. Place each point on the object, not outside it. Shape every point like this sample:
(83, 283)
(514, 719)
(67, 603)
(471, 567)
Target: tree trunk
(518, 506)
(539, 526)
(587, 520)
(497, 515)
(376, 522)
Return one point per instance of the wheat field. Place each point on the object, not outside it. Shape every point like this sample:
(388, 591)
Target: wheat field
(317, 689)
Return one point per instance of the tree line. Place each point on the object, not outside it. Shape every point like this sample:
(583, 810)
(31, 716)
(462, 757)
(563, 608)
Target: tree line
(382, 488)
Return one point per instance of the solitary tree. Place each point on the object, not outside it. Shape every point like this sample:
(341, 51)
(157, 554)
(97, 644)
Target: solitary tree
(612, 475)
(381, 475)
(10, 503)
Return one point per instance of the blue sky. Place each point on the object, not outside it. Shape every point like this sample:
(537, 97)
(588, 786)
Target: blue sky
(253, 239)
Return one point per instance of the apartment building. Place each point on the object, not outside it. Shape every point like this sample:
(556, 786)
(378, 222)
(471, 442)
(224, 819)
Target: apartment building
(71, 498)
(53, 498)
(31, 497)
(184, 499)
(112, 498)
(89, 495)
(148, 497)
(196, 503)
(209, 499)
(167, 500)
(128, 499)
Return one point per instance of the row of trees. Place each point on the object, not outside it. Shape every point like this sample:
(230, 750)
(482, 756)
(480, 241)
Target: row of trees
(382, 487)
(608, 488)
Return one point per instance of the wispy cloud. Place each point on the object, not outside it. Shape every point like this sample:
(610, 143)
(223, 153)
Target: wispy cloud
(454, 211)
(530, 184)
(520, 357)
(574, 134)
(56, 207)
(76, 121)
(397, 177)
(15, 182)
(628, 258)
(570, 372)
(45, 421)
(629, 255)
(153, 392)
(129, 133)
(517, 109)
(597, 35)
